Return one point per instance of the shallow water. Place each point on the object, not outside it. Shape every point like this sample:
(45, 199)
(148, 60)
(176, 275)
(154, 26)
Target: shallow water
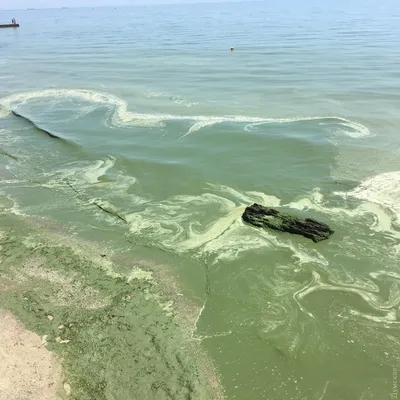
(167, 136)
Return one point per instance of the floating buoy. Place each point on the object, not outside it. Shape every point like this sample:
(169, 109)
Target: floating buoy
(232, 49)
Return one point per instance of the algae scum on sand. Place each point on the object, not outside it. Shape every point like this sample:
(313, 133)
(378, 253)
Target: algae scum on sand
(112, 335)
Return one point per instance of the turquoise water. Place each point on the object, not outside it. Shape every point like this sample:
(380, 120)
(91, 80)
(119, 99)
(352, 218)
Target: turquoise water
(167, 128)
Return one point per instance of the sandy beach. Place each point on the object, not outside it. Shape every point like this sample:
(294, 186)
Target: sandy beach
(28, 371)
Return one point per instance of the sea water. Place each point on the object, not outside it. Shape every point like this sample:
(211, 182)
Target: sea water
(167, 135)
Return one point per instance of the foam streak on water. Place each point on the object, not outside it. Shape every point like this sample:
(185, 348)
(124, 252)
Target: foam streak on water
(122, 117)
(383, 189)
(374, 300)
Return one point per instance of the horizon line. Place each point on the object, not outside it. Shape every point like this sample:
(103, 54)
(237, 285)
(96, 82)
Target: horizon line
(178, 2)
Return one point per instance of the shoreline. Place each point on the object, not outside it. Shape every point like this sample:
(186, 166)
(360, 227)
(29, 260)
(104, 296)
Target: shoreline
(68, 298)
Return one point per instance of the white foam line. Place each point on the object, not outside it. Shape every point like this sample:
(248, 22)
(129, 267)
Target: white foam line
(315, 201)
(246, 198)
(325, 389)
(122, 117)
(94, 172)
(389, 318)
(382, 189)
(395, 276)
(202, 337)
(4, 112)
(380, 202)
(89, 172)
(174, 224)
(381, 197)
(194, 328)
(357, 130)
(370, 298)
(222, 225)
(119, 108)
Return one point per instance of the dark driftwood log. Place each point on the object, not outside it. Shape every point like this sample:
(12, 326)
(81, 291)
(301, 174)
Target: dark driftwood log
(264, 217)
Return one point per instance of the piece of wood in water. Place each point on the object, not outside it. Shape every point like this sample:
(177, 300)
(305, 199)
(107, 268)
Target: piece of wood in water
(264, 217)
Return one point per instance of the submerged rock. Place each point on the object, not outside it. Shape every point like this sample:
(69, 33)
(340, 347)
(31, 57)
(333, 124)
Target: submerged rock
(264, 217)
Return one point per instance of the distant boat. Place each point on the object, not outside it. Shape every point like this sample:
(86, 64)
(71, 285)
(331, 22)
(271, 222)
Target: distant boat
(9, 26)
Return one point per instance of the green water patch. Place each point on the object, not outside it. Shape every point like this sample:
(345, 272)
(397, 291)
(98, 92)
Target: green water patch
(278, 313)
(301, 330)
(273, 162)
